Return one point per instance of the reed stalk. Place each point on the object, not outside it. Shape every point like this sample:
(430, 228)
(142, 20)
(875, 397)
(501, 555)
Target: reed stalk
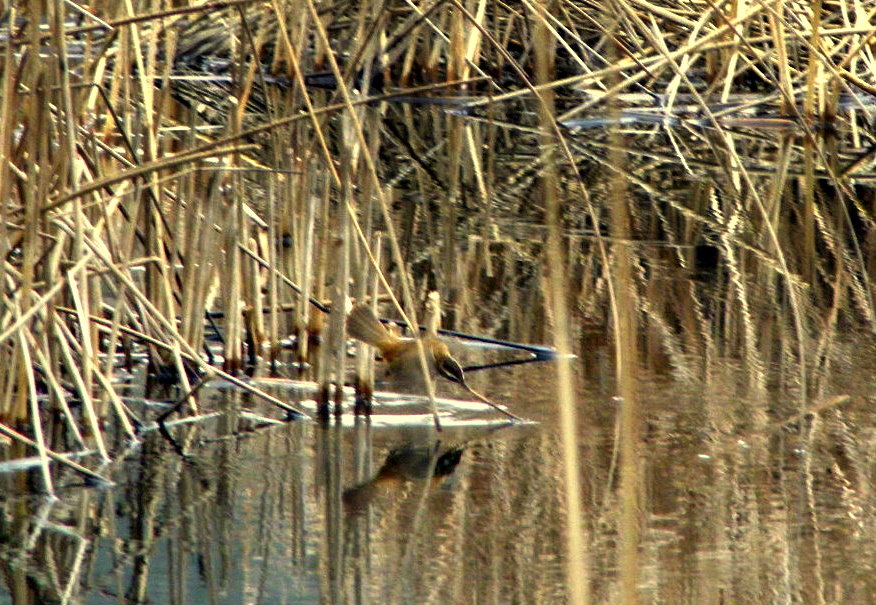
(576, 535)
(408, 317)
(627, 367)
(709, 172)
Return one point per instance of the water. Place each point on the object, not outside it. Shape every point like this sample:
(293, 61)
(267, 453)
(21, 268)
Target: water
(737, 505)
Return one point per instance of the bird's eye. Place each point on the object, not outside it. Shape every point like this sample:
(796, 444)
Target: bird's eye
(450, 370)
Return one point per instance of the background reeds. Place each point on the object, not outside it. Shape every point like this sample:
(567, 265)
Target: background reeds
(688, 181)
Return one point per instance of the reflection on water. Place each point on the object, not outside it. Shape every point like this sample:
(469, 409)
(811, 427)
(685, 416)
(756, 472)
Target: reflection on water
(738, 507)
(407, 463)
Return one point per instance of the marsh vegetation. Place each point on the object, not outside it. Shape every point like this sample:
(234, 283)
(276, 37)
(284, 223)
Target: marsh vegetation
(675, 196)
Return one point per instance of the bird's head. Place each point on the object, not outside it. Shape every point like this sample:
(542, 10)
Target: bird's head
(449, 369)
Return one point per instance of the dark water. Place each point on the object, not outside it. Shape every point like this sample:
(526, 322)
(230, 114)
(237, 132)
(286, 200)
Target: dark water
(738, 506)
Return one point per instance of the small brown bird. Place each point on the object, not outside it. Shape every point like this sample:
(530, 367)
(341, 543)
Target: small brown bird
(403, 371)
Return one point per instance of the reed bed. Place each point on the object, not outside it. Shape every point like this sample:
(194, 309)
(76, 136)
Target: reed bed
(690, 181)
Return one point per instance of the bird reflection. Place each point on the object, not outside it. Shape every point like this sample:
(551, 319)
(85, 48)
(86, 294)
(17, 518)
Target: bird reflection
(403, 465)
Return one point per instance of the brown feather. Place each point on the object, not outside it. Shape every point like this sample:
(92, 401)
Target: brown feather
(362, 324)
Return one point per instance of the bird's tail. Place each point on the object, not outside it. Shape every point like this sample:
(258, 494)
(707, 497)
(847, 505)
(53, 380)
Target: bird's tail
(363, 325)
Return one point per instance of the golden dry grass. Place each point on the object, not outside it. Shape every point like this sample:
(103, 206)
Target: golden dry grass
(692, 180)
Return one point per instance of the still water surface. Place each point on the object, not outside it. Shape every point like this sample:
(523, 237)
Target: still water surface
(738, 505)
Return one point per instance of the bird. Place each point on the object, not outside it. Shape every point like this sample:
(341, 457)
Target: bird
(403, 370)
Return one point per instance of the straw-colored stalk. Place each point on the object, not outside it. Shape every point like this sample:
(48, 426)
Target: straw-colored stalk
(408, 312)
(627, 365)
(577, 561)
(814, 83)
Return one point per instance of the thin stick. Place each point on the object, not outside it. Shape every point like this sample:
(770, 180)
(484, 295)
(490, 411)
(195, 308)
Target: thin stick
(495, 406)
(9, 432)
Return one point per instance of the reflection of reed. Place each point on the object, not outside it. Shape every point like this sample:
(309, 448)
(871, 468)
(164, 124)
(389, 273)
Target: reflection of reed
(251, 513)
(625, 315)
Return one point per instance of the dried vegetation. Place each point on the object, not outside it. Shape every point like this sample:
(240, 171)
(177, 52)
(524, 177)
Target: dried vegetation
(691, 179)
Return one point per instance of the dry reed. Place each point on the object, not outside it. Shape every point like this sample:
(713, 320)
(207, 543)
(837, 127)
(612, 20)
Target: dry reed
(692, 180)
